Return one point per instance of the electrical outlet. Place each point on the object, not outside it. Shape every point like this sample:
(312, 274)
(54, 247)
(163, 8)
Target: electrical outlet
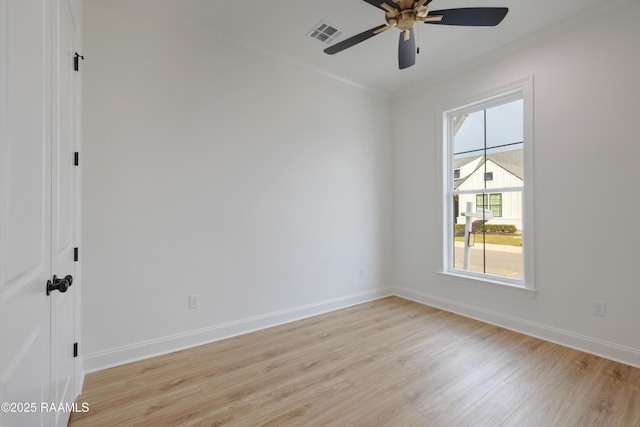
(194, 301)
(361, 273)
(599, 308)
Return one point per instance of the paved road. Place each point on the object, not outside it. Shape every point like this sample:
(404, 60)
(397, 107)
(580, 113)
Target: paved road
(501, 260)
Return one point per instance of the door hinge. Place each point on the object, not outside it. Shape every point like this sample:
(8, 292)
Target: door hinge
(76, 61)
(76, 254)
(76, 159)
(75, 349)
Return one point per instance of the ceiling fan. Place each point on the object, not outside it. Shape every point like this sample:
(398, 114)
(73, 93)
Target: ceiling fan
(402, 14)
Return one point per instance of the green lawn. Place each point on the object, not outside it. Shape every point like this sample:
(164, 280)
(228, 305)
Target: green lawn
(496, 239)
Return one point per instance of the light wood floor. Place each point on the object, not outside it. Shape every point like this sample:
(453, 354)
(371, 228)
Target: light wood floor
(389, 362)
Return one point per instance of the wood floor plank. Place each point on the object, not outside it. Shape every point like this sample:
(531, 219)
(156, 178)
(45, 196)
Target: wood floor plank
(389, 362)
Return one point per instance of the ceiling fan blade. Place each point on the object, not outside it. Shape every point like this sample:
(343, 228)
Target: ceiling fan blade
(470, 16)
(358, 38)
(406, 49)
(377, 3)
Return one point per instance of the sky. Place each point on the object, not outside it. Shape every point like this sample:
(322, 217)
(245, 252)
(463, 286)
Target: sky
(504, 126)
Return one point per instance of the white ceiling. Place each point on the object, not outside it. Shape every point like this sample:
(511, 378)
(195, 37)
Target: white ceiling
(280, 28)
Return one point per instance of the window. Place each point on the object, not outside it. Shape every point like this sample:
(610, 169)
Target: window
(487, 174)
(493, 203)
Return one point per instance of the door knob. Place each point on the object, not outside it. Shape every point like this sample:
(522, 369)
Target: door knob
(59, 284)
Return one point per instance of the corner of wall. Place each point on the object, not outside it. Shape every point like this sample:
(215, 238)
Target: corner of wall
(608, 350)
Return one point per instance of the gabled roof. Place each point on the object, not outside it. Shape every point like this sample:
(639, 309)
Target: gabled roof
(510, 160)
(460, 162)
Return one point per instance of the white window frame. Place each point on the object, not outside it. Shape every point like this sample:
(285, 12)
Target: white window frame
(521, 89)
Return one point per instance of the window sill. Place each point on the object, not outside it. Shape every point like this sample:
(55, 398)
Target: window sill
(488, 283)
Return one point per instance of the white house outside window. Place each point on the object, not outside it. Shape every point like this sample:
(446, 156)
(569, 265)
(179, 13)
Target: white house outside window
(487, 193)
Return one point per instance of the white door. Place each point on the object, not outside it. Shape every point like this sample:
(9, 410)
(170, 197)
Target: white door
(25, 211)
(63, 200)
(37, 207)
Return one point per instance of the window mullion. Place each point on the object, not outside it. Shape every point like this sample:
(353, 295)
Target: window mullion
(493, 190)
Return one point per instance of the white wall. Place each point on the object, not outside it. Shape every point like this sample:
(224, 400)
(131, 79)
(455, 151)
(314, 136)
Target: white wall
(586, 108)
(215, 170)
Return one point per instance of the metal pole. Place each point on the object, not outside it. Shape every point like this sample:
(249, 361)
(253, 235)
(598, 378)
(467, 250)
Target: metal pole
(467, 231)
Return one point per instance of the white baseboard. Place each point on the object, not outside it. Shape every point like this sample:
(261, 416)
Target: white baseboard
(608, 350)
(143, 350)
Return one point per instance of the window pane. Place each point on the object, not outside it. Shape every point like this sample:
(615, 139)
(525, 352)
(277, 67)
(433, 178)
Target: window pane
(474, 254)
(504, 261)
(504, 124)
(468, 131)
(470, 175)
(497, 249)
(495, 203)
(503, 247)
(506, 166)
(481, 201)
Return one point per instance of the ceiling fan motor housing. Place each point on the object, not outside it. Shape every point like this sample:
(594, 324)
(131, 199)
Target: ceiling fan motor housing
(405, 14)
(404, 20)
